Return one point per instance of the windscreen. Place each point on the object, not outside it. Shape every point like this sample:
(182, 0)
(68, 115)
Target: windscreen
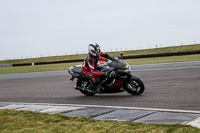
(116, 63)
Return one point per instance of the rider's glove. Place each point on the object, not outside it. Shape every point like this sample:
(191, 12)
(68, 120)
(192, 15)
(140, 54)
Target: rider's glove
(108, 61)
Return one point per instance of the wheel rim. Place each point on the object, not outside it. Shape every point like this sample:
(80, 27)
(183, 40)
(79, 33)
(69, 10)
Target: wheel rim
(135, 87)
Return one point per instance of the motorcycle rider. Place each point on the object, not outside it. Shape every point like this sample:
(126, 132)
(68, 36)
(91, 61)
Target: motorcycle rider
(90, 65)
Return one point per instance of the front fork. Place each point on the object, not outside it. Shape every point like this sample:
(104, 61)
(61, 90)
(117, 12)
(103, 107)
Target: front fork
(128, 81)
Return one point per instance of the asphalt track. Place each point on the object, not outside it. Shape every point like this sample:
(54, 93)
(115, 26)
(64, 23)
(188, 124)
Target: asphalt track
(168, 86)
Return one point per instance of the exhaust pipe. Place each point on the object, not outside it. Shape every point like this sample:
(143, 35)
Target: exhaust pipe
(78, 88)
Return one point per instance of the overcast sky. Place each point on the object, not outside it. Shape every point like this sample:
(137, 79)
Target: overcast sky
(56, 27)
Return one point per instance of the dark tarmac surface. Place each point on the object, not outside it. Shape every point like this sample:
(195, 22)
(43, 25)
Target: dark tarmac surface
(176, 87)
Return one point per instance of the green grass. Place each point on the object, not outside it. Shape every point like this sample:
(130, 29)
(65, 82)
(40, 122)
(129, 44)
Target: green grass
(23, 69)
(174, 49)
(126, 53)
(163, 59)
(44, 59)
(65, 66)
(26, 121)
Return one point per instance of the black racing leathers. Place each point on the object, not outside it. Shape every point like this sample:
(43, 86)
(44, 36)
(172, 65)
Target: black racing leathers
(90, 64)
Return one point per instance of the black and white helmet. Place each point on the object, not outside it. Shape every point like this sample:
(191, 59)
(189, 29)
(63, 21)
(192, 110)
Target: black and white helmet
(94, 49)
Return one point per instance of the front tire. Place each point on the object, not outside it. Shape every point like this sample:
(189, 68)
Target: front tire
(134, 86)
(80, 84)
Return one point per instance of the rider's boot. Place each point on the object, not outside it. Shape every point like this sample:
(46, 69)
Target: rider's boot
(91, 87)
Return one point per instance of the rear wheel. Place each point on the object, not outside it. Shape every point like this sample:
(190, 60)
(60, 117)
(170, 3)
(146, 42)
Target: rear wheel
(81, 83)
(134, 86)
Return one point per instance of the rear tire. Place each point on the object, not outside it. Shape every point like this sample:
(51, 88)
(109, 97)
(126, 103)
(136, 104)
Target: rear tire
(134, 86)
(87, 93)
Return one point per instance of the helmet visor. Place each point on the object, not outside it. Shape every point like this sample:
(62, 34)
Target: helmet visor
(97, 51)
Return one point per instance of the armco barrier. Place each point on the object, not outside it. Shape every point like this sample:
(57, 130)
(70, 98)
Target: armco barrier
(56, 62)
(45, 63)
(26, 64)
(5, 65)
(162, 55)
(125, 57)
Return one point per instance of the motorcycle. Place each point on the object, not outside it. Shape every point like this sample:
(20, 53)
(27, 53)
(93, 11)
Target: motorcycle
(120, 79)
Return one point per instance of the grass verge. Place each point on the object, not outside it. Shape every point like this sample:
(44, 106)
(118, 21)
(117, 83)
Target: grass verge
(183, 48)
(65, 66)
(27, 121)
(164, 59)
(23, 69)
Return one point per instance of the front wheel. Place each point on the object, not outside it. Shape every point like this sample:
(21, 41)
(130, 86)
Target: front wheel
(134, 86)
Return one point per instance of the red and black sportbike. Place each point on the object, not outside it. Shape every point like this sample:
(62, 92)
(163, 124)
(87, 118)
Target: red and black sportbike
(120, 79)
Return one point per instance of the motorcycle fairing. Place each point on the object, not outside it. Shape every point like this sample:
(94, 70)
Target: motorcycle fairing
(117, 84)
